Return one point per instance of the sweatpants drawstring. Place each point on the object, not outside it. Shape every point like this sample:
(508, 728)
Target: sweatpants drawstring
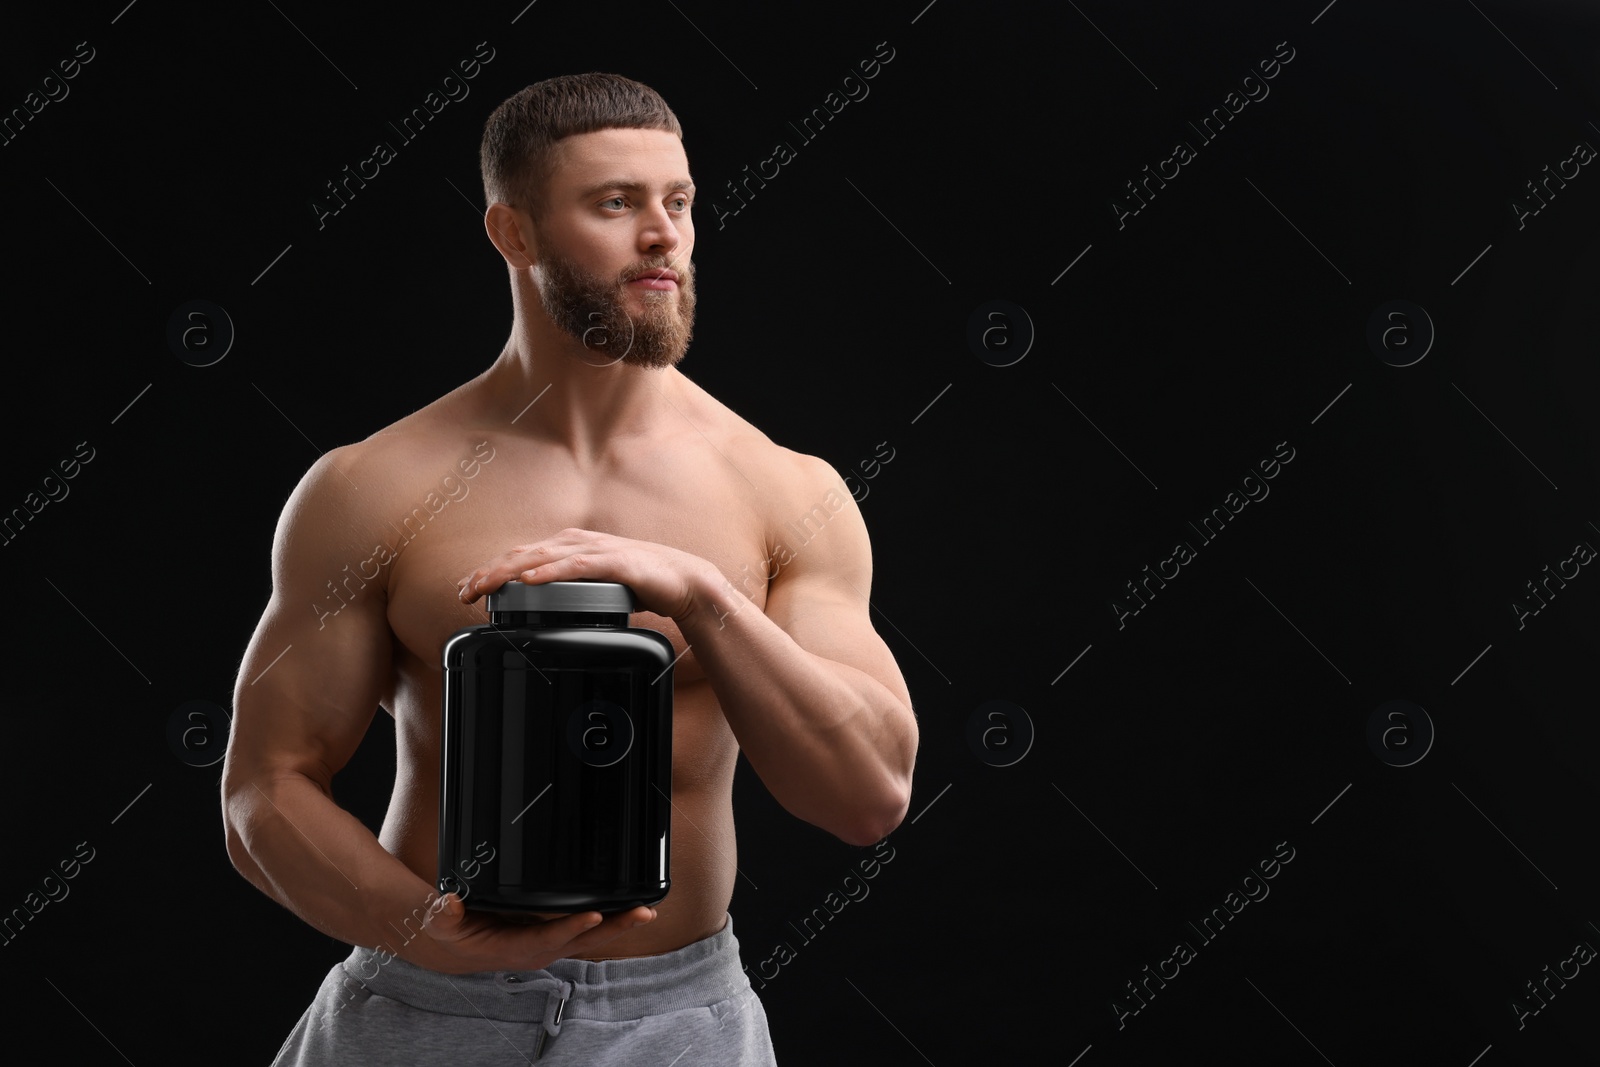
(559, 990)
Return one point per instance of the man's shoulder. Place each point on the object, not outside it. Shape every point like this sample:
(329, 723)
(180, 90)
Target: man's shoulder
(788, 477)
(802, 475)
(796, 485)
(361, 480)
(786, 471)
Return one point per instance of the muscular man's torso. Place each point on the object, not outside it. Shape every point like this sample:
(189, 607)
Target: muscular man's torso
(678, 488)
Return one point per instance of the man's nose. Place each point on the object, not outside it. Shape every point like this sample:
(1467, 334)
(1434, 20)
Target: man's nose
(659, 233)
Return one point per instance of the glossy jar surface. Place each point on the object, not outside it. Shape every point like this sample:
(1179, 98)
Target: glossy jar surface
(556, 777)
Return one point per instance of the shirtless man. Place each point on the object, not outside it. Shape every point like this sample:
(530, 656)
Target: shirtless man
(582, 452)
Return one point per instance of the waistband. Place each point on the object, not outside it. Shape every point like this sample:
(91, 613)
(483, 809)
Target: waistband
(697, 975)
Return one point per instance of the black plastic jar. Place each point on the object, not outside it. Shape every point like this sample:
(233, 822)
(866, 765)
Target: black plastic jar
(556, 757)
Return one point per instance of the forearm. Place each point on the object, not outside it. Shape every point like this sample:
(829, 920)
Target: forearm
(316, 859)
(831, 743)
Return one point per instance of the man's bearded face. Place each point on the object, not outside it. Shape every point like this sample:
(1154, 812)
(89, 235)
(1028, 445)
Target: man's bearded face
(594, 310)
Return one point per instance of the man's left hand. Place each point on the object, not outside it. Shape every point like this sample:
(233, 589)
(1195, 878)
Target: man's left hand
(667, 581)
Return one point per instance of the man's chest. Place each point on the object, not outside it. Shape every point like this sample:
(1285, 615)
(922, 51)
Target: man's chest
(704, 516)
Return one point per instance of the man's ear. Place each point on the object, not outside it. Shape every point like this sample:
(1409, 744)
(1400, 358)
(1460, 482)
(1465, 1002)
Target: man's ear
(512, 234)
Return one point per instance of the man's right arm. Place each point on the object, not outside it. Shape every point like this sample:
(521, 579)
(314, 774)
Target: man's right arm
(307, 691)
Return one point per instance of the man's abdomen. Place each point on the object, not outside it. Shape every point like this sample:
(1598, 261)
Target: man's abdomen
(702, 845)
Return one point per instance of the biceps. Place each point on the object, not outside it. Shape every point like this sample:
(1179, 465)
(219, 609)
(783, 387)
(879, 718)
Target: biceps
(308, 690)
(837, 626)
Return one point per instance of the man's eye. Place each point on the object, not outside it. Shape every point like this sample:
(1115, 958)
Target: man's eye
(685, 201)
(617, 200)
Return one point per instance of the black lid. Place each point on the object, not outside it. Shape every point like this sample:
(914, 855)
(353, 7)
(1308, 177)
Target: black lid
(583, 594)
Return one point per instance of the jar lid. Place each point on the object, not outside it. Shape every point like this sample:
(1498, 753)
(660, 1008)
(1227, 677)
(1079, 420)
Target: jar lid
(583, 594)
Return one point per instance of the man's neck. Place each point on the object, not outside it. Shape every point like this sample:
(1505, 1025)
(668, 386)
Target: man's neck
(570, 397)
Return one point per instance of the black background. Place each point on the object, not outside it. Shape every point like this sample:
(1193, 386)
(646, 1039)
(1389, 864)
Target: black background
(1229, 315)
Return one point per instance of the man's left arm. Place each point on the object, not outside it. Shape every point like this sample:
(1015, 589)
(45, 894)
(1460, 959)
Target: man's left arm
(809, 688)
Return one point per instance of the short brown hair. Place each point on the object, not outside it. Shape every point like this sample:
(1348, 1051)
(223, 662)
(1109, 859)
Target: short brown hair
(516, 157)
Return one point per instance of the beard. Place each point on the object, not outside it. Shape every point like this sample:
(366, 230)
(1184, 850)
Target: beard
(592, 310)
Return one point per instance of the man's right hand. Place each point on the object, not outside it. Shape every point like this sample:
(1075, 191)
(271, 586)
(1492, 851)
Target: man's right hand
(462, 941)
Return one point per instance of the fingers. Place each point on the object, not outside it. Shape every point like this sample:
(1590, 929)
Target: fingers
(615, 926)
(488, 579)
(595, 930)
(574, 926)
(480, 942)
(519, 563)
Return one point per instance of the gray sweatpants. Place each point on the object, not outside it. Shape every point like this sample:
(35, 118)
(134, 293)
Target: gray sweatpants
(691, 1006)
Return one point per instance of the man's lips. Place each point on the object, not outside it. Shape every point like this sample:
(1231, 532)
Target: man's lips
(664, 280)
